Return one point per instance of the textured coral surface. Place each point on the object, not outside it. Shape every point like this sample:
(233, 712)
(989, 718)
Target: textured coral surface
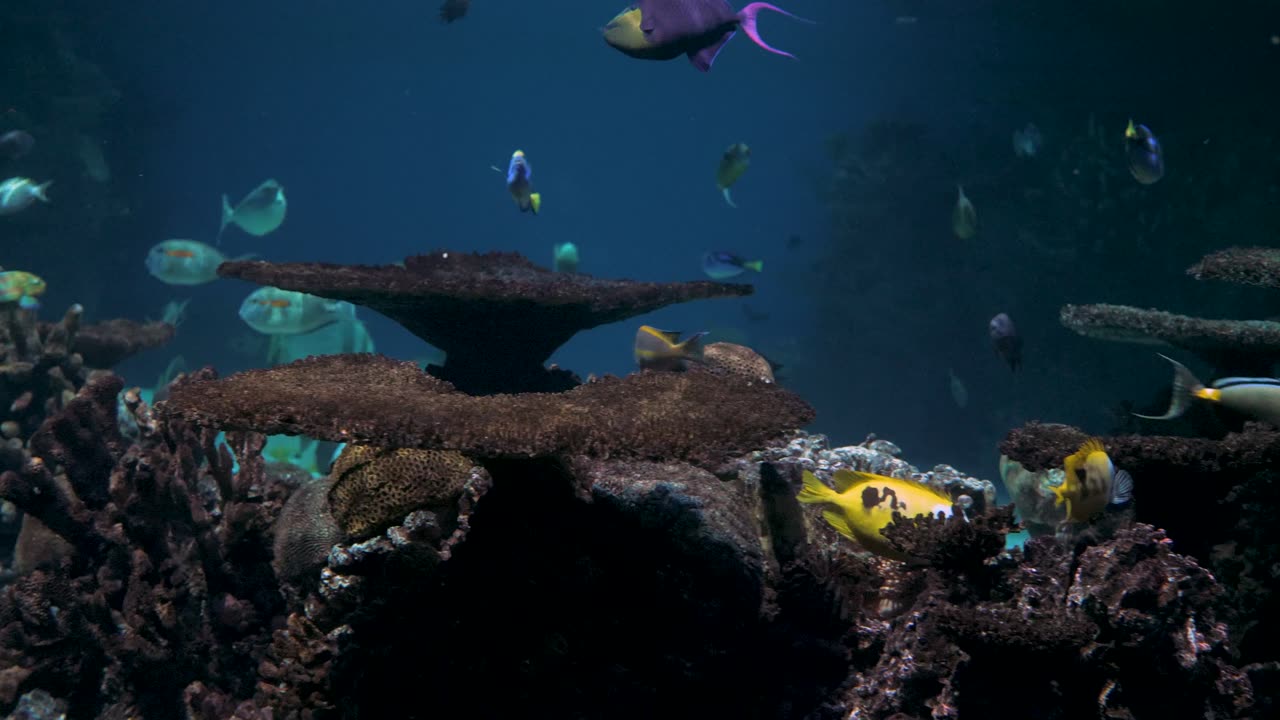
(1244, 265)
(700, 418)
(497, 316)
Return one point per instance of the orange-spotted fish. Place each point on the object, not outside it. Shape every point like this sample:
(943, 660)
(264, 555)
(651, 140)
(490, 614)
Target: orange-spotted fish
(1091, 482)
(663, 350)
(1256, 397)
(185, 262)
(862, 505)
(21, 287)
(272, 311)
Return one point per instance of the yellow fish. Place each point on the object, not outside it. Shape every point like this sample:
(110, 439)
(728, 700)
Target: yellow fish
(1091, 482)
(733, 163)
(862, 504)
(21, 287)
(662, 349)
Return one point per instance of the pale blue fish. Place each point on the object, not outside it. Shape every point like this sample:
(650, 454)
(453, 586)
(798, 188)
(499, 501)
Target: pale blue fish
(18, 193)
(258, 213)
(272, 311)
(185, 262)
(564, 257)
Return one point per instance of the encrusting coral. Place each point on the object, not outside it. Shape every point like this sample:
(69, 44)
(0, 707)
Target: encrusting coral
(374, 488)
(1243, 265)
(699, 418)
(497, 316)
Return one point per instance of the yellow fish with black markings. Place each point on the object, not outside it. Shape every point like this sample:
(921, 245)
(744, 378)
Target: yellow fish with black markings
(862, 505)
(1091, 482)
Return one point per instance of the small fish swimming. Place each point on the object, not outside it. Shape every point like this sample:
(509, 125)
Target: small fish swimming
(1146, 157)
(862, 505)
(272, 311)
(733, 163)
(959, 393)
(964, 218)
(16, 143)
(520, 184)
(185, 262)
(564, 258)
(1257, 397)
(260, 212)
(18, 193)
(1006, 340)
(452, 10)
(1091, 482)
(699, 29)
(662, 349)
(21, 287)
(725, 265)
(1027, 141)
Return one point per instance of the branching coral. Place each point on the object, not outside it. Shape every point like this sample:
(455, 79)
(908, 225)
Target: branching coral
(497, 316)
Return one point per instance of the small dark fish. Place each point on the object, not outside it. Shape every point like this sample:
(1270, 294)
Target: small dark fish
(452, 10)
(1006, 340)
(16, 143)
(666, 29)
(794, 241)
(1146, 157)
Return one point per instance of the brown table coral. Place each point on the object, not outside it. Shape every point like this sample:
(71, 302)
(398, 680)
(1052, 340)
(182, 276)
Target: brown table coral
(699, 418)
(497, 316)
(1243, 265)
(106, 344)
(1233, 346)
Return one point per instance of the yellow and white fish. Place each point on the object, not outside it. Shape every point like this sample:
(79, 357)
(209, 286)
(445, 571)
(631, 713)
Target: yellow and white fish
(862, 505)
(663, 350)
(18, 193)
(1091, 482)
(258, 213)
(1256, 397)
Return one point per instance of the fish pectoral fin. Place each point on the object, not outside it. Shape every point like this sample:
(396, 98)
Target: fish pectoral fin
(837, 520)
(1121, 488)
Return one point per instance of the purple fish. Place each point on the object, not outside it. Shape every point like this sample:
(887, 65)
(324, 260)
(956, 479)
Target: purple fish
(16, 143)
(666, 29)
(1006, 340)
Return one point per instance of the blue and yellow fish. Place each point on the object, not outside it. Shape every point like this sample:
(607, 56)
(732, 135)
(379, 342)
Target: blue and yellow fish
(520, 184)
(21, 287)
(1255, 397)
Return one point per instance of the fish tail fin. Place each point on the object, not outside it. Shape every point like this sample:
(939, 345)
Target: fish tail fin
(40, 190)
(756, 265)
(535, 202)
(727, 197)
(1185, 385)
(691, 349)
(814, 491)
(747, 20)
(227, 213)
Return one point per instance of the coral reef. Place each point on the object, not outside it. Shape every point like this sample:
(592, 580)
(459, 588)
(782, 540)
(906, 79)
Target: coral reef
(698, 418)
(1241, 265)
(1233, 346)
(497, 316)
(739, 360)
(105, 345)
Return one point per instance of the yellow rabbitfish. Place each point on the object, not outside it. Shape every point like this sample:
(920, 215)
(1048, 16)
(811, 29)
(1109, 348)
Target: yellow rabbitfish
(1091, 482)
(862, 505)
(733, 163)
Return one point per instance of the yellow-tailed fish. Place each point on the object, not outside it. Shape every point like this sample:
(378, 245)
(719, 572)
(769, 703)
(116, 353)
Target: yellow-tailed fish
(260, 212)
(964, 217)
(1091, 482)
(663, 350)
(1256, 397)
(21, 287)
(734, 162)
(520, 184)
(863, 504)
(18, 193)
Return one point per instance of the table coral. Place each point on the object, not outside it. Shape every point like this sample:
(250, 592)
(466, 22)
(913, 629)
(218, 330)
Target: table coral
(698, 418)
(497, 316)
(1243, 265)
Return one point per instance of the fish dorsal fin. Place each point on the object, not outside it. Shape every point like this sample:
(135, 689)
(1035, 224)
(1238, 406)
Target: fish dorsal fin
(844, 479)
(1089, 447)
(671, 336)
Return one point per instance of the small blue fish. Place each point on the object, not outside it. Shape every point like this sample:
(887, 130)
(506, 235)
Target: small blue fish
(520, 184)
(719, 265)
(565, 258)
(1027, 141)
(1146, 157)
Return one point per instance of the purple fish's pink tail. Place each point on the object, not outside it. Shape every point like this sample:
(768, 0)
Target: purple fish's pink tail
(747, 20)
